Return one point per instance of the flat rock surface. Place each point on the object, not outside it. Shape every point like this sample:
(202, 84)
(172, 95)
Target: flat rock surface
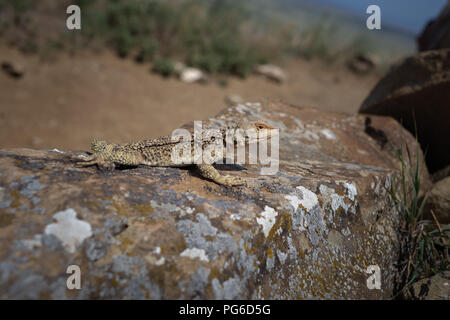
(309, 231)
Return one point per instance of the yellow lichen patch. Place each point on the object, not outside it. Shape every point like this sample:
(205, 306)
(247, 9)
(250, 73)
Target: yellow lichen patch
(214, 273)
(174, 247)
(303, 208)
(121, 209)
(320, 200)
(114, 283)
(16, 196)
(6, 219)
(339, 212)
(125, 243)
(269, 253)
(284, 222)
(144, 208)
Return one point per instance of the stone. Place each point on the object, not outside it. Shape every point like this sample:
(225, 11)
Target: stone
(311, 230)
(436, 34)
(436, 287)
(438, 200)
(13, 69)
(363, 63)
(417, 91)
(233, 99)
(191, 75)
(441, 174)
(271, 72)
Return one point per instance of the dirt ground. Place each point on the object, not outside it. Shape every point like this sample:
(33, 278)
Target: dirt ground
(65, 103)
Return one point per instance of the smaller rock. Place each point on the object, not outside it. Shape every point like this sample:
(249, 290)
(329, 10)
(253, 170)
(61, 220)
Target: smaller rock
(13, 69)
(362, 63)
(191, 75)
(434, 288)
(439, 201)
(272, 72)
(233, 100)
(441, 174)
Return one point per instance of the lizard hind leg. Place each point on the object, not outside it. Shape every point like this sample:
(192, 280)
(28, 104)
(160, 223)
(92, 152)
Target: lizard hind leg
(209, 172)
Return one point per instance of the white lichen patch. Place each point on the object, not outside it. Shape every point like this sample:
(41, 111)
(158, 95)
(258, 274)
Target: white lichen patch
(309, 200)
(160, 261)
(293, 200)
(310, 135)
(243, 109)
(33, 243)
(69, 229)
(328, 134)
(195, 253)
(189, 210)
(352, 192)
(235, 216)
(282, 256)
(268, 219)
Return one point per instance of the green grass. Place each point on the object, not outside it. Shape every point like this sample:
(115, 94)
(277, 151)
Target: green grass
(424, 243)
(203, 34)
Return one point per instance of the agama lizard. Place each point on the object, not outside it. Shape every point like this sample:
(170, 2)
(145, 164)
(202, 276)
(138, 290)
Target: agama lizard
(157, 152)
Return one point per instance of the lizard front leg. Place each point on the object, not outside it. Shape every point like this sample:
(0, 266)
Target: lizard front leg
(96, 159)
(209, 172)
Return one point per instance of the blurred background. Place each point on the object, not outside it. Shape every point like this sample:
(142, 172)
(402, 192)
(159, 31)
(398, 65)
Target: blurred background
(139, 69)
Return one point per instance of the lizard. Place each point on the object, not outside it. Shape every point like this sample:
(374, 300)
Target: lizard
(157, 152)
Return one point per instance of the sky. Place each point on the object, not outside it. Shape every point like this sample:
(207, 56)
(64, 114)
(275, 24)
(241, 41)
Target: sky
(409, 15)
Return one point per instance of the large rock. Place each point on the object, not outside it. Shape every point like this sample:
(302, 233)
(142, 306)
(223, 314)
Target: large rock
(418, 90)
(436, 34)
(309, 231)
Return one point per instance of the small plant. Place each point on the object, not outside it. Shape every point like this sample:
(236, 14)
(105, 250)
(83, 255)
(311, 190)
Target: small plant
(424, 244)
(164, 67)
(147, 51)
(316, 41)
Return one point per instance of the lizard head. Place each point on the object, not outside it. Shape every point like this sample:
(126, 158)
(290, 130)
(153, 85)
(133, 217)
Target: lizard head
(98, 145)
(256, 130)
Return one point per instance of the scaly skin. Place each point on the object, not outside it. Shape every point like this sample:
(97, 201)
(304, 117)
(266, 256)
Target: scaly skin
(157, 152)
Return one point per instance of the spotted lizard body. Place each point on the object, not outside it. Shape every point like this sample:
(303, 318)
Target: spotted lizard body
(158, 152)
